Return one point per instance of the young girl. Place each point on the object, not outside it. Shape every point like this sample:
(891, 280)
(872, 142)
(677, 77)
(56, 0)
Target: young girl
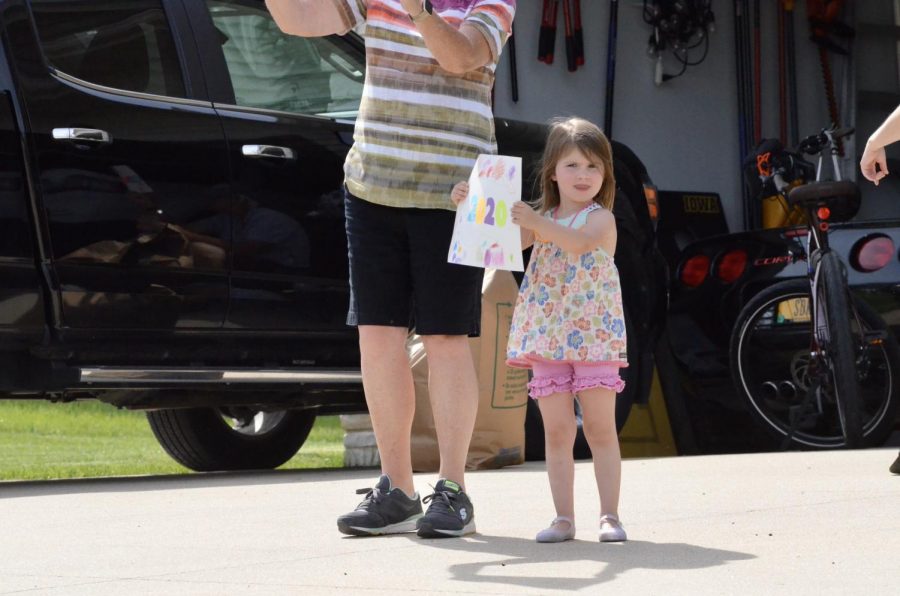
(568, 325)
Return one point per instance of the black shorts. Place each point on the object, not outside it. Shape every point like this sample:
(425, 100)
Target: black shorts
(399, 274)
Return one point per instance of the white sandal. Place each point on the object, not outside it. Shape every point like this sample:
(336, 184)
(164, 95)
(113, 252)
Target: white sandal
(611, 529)
(556, 534)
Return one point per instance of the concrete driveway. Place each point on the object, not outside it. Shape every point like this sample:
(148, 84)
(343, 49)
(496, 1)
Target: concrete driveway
(783, 523)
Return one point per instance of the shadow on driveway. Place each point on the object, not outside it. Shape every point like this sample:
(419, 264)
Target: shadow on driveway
(607, 560)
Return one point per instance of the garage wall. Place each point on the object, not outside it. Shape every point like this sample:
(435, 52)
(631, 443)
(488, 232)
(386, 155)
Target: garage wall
(684, 130)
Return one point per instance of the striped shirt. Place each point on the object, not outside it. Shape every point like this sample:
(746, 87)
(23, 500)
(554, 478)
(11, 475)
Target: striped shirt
(420, 128)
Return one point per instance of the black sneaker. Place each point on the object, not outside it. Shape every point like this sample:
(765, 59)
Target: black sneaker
(450, 513)
(383, 511)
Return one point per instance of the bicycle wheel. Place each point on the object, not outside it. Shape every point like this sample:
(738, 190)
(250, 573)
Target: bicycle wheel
(836, 346)
(770, 364)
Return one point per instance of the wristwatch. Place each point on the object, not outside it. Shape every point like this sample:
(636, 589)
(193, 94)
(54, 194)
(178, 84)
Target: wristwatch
(427, 10)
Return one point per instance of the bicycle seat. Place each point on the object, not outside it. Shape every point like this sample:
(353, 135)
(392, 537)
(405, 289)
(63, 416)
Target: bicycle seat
(842, 197)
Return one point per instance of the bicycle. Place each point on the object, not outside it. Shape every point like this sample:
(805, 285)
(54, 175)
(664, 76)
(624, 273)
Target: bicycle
(818, 366)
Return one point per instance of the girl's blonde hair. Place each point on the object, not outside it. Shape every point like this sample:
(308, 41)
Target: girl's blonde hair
(575, 133)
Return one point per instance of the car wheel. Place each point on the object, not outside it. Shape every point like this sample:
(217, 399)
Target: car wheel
(234, 438)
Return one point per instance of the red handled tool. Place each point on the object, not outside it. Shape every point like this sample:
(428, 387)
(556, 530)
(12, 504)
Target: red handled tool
(579, 35)
(547, 39)
(571, 59)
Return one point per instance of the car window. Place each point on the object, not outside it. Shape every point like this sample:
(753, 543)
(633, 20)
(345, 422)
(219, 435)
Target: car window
(272, 70)
(124, 45)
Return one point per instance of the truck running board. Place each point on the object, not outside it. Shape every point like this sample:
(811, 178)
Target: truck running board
(120, 376)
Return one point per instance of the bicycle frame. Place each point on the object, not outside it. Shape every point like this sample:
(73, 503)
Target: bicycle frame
(816, 248)
(817, 235)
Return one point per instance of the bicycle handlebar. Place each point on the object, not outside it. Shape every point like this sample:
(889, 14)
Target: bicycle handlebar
(814, 144)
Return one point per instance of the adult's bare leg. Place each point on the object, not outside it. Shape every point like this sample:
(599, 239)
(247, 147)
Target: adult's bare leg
(388, 384)
(453, 392)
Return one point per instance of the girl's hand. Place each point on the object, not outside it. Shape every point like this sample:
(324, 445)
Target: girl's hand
(524, 216)
(459, 193)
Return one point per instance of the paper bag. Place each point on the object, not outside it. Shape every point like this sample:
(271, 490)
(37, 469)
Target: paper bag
(499, 436)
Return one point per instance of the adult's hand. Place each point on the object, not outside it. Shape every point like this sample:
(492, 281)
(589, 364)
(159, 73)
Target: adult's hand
(887, 133)
(871, 158)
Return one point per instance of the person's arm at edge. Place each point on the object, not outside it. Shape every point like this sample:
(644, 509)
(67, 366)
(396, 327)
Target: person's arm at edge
(887, 133)
(456, 50)
(307, 18)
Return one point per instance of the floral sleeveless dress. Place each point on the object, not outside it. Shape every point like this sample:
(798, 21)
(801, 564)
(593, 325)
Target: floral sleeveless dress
(569, 306)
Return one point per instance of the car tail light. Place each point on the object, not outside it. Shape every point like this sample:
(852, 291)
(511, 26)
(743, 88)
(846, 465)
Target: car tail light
(694, 270)
(732, 265)
(872, 253)
(652, 199)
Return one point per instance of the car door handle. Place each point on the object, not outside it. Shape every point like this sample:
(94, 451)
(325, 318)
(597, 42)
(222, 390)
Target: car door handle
(257, 151)
(82, 135)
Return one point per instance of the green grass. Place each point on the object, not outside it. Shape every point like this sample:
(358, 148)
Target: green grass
(42, 441)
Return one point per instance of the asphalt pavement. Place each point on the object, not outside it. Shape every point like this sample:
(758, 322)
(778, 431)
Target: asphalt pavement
(772, 523)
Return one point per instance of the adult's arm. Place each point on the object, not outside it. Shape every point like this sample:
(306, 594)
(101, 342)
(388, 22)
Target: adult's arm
(456, 50)
(874, 154)
(307, 18)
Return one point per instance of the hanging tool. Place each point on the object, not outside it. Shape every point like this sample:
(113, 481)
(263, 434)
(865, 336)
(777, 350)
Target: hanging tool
(513, 72)
(579, 34)
(791, 59)
(571, 58)
(679, 26)
(743, 104)
(611, 66)
(757, 74)
(823, 22)
(547, 38)
(782, 75)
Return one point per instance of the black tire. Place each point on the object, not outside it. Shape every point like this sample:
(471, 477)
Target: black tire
(640, 365)
(836, 339)
(203, 440)
(766, 350)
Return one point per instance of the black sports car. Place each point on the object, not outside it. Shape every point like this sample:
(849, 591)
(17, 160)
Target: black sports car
(714, 276)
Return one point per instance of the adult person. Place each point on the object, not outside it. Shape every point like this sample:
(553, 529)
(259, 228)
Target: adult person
(424, 117)
(874, 167)
(874, 160)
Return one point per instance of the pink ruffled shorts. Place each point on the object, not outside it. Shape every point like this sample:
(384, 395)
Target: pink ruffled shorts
(572, 377)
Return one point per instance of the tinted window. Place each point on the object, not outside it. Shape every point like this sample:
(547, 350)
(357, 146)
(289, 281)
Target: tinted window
(125, 45)
(275, 71)
(14, 238)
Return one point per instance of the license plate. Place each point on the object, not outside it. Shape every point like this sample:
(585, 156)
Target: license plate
(795, 310)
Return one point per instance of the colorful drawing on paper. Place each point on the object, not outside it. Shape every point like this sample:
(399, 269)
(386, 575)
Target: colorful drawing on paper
(484, 235)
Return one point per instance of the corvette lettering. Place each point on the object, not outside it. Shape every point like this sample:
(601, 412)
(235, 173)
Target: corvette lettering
(780, 260)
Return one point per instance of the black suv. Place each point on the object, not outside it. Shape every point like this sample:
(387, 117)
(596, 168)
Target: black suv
(171, 220)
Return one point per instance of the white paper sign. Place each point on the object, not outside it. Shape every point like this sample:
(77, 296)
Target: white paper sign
(484, 234)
